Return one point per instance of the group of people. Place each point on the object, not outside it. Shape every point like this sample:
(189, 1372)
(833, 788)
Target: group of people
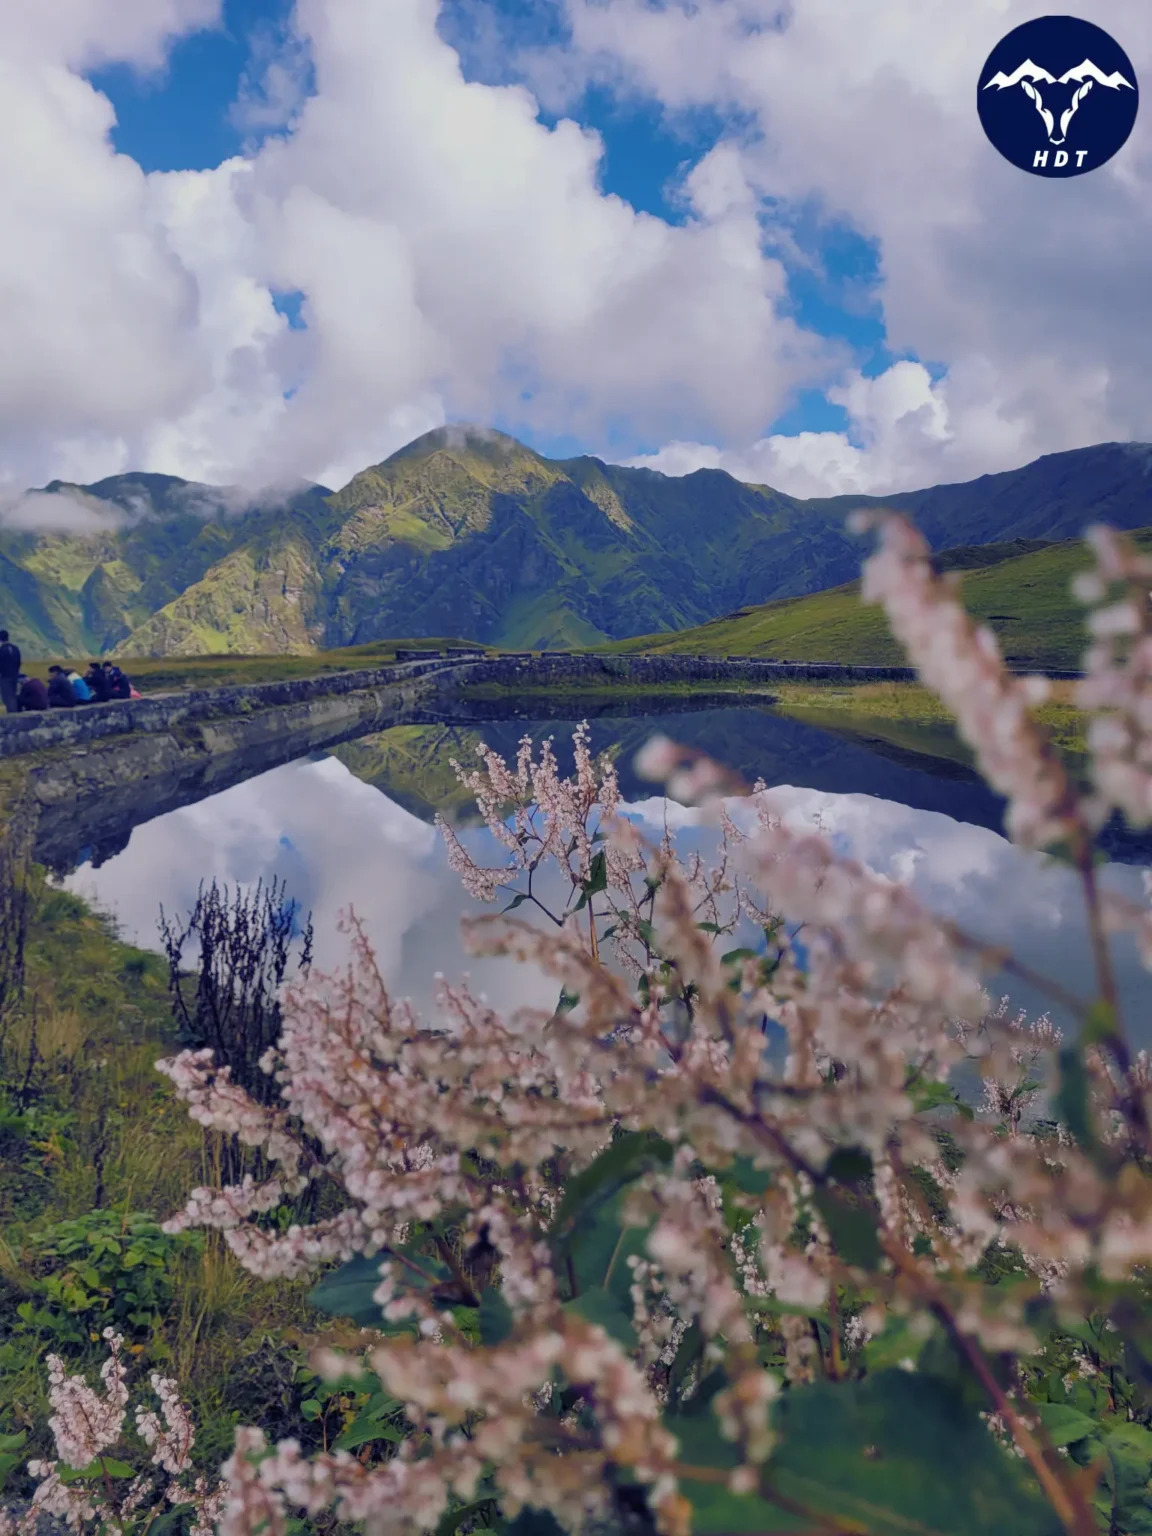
(64, 689)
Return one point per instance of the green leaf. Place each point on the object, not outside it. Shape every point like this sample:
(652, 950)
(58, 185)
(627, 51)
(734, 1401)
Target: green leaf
(568, 1001)
(895, 1344)
(455, 1518)
(1099, 1023)
(382, 1405)
(709, 927)
(1072, 1104)
(534, 1522)
(101, 1467)
(311, 1408)
(496, 1318)
(847, 1165)
(347, 1291)
(1125, 1495)
(927, 1094)
(716, 1510)
(598, 1257)
(607, 1311)
(626, 1159)
(364, 1430)
(170, 1521)
(13, 1442)
(902, 1454)
(774, 1307)
(735, 955)
(1065, 1425)
(690, 1352)
(851, 1227)
(517, 900)
(597, 880)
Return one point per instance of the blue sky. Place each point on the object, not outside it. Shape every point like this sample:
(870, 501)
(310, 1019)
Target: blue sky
(183, 119)
(767, 236)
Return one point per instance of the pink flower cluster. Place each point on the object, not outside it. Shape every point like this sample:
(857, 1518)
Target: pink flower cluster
(87, 1426)
(475, 1126)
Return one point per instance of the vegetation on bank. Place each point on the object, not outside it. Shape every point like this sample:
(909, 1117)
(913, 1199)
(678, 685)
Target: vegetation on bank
(171, 673)
(95, 1152)
(1025, 598)
(716, 1244)
(877, 706)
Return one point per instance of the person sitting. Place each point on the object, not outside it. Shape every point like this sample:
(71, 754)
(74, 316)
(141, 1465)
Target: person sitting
(80, 689)
(9, 672)
(119, 687)
(97, 680)
(60, 695)
(33, 693)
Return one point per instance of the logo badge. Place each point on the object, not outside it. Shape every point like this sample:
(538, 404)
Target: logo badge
(1057, 96)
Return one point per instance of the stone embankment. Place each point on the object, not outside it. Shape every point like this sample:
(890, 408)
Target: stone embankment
(222, 719)
(44, 730)
(111, 766)
(560, 670)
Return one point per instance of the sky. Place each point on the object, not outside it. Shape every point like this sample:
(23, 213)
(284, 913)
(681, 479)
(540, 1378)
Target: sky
(251, 240)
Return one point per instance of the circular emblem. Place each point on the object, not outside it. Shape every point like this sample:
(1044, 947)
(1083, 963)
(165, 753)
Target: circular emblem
(1057, 96)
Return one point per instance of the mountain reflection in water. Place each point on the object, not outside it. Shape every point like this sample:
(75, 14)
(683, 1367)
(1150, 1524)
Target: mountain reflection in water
(353, 830)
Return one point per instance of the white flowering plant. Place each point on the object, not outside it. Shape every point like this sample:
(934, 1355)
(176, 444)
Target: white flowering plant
(88, 1488)
(721, 1243)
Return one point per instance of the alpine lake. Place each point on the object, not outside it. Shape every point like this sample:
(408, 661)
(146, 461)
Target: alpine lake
(352, 829)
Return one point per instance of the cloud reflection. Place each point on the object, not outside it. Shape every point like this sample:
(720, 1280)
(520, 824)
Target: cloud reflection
(338, 843)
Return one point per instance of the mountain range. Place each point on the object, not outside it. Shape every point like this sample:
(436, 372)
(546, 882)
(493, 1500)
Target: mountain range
(469, 532)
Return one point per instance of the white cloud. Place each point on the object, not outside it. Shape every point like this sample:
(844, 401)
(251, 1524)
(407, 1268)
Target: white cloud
(906, 432)
(58, 512)
(452, 251)
(275, 83)
(84, 34)
(1031, 293)
(455, 254)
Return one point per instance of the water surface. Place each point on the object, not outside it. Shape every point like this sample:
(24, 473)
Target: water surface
(353, 829)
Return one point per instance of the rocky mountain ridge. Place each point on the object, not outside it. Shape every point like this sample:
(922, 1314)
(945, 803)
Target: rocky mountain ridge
(467, 531)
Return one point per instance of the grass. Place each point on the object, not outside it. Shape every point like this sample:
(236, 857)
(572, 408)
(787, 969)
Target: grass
(596, 689)
(909, 715)
(168, 673)
(1025, 598)
(87, 1123)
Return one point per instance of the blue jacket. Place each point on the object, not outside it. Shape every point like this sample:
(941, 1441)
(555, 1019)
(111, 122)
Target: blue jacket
(80, 689)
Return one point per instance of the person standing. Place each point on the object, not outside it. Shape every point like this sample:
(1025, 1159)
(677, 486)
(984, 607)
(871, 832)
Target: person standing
(9, 672)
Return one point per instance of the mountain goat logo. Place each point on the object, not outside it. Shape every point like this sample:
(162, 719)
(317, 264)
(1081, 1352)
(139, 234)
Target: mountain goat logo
(1069, 133)
(1030, 76)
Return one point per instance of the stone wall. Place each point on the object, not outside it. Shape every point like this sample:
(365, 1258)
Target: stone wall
(557, 669)
(44, 730)
(250, 712)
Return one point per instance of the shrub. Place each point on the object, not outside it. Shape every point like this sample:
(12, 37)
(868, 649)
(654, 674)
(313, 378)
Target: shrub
(716, 1244)
(104, 1269)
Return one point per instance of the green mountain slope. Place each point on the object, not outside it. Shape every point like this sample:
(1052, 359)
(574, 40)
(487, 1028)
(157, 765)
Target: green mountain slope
(1020, 588)
(469, 532)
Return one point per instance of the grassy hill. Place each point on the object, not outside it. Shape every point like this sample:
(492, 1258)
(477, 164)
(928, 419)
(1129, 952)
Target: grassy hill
(466, 530)
(1021, 589)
